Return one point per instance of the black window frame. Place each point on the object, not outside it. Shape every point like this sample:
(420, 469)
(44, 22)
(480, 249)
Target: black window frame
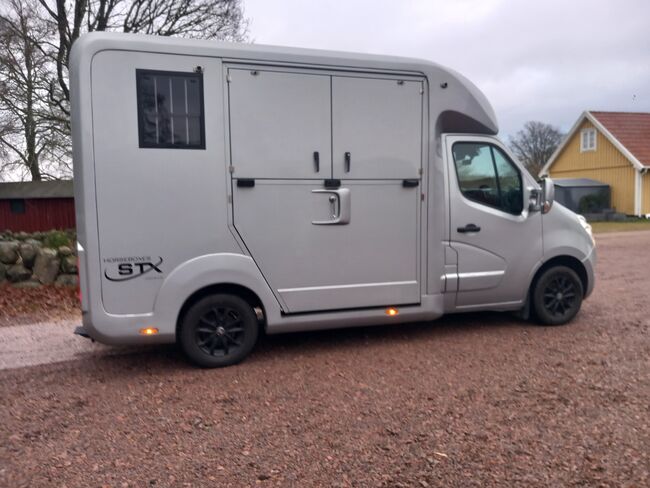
(182, 74)
(17, 206)
(492, 147)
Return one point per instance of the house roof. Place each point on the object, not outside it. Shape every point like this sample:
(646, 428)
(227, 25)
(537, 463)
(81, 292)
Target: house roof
(578, 182)
(36, 189)
(632, 130)
(629, 132)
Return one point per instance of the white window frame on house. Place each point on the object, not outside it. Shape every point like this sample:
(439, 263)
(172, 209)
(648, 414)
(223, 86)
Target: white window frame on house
(588, 139)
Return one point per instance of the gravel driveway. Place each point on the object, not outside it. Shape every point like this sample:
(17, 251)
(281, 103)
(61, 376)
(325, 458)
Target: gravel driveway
(49, 342)
(474, 400)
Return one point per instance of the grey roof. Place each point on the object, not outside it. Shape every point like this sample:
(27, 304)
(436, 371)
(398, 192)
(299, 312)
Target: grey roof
(574, 182)
(37, 189)
(461, 96)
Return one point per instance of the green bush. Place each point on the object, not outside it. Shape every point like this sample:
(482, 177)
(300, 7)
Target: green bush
(594, 202)
(56, 238)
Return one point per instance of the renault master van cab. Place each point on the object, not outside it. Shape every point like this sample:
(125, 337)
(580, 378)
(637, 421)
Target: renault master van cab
(223, 188)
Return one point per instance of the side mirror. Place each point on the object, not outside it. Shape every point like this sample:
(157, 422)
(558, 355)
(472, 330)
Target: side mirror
(534, 200)
(548, 194)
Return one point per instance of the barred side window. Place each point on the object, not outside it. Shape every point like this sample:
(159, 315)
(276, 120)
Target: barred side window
(170, 109)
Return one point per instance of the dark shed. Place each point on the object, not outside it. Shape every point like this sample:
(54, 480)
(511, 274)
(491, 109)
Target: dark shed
(36, 206)
(582, 195)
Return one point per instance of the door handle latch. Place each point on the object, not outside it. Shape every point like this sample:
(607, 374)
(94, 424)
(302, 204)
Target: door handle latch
(339, 201)
(317, 161)
(469, 228)
(348, 161)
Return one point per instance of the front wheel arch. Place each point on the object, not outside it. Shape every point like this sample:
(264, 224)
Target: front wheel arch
(559, 261)
(569, 262)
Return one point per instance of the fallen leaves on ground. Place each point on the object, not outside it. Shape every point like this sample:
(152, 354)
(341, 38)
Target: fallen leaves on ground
(29, 305)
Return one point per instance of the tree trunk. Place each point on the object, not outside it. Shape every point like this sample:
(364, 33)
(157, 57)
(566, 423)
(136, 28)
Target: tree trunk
(30, 120)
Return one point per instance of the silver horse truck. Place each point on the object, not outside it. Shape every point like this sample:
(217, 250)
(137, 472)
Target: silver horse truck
(224, 188)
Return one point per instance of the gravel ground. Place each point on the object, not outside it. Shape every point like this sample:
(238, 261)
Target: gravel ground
(50, 342)
(475, 400)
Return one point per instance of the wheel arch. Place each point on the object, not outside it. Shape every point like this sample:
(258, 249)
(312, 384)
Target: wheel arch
(563, 260)
(225, 273)
(226, 288)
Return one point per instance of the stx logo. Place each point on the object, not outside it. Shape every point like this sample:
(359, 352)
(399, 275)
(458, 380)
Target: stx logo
(130, 270)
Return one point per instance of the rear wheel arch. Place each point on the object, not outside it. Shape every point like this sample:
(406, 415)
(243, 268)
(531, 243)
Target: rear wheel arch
(223, 288)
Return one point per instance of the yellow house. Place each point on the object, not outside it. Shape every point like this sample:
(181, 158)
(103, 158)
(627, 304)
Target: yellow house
(612, 147)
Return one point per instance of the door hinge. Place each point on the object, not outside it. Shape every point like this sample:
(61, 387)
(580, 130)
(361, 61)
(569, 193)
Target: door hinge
(410, 183)
(230, 199)
(420, 171)
(332, 183)
(246, 182)
(231, 169)
(228, 78)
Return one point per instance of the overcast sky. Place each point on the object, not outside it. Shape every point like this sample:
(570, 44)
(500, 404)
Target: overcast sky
(544, 60)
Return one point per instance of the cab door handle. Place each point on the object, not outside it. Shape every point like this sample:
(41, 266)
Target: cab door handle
(469, 228)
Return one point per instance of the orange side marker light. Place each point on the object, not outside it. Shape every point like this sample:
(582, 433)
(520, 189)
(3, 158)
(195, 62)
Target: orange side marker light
(148, 331)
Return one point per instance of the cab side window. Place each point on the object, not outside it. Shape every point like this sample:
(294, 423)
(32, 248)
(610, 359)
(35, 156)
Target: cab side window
(487, 176)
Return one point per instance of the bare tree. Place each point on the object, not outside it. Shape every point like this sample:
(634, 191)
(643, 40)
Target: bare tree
(35, 41)
(33, 138)
(206, 19)
(535, 144)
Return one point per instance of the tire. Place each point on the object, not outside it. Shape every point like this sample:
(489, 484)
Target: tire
(218, 330)
(557, 296)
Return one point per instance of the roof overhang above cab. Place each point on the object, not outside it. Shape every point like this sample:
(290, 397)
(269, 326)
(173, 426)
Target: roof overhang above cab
(455, 104)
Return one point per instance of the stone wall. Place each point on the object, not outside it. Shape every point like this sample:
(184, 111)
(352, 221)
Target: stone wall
(43, 258)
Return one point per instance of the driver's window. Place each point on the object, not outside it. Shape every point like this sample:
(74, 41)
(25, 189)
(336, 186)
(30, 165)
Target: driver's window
(487, 176)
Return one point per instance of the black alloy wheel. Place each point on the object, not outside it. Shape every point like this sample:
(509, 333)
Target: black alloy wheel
(218, 330)
(557, 296)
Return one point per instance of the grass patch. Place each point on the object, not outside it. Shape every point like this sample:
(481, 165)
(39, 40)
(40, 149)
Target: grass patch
(56, 238)
(635, 224)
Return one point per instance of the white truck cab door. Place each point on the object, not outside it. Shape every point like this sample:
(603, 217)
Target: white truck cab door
(497, 239)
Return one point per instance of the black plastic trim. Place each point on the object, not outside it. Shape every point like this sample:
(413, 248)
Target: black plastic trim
(81, 331)
(246, 182)
(410, 183)
(332, 183)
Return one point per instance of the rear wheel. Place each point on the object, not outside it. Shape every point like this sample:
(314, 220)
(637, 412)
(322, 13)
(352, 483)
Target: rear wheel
(557, 295)
(218, 330)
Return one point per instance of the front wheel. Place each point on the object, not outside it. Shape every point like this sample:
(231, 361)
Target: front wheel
(557, 295)
(218, 330)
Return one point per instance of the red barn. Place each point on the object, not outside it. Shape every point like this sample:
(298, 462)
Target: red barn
(36, 206)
